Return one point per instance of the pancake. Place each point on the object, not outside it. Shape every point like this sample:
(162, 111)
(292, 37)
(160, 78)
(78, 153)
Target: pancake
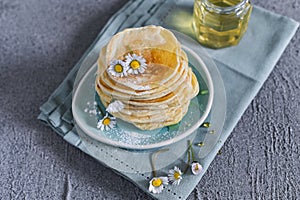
(157, 96)
(148, 83)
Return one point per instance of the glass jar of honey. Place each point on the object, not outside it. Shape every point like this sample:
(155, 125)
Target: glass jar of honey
(221, 23)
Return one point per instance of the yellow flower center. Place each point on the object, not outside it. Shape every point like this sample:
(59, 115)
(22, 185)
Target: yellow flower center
(118, 68)
(135, 64)
(157, 182)
(196, 168)
(176, 175)
(106, 121)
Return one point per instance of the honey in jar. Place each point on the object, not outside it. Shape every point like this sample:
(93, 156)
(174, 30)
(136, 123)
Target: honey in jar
(221, 23)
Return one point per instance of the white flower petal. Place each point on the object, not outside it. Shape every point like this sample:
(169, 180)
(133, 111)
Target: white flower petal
(102, 128)
(142, 70)
(113, 124)
(151, 187)
(165, 180)
(176, 182)
(99, 124)
(159, 189)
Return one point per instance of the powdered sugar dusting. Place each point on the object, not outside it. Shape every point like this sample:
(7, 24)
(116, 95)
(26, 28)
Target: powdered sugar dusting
(91, 108)
(146, 87)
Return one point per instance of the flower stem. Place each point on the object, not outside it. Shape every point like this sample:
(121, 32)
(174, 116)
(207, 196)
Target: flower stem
(189, 157)
(153, 159)
(193, 155)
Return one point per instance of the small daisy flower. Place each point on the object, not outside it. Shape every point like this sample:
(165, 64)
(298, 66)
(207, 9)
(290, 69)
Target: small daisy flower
(157, 184)
(115, 106)
(175, 175)
(106, 123)
(196, 168)
(137, 64)
(118, 68)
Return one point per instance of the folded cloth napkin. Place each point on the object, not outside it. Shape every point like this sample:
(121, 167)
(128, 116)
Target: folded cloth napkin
(243, 68)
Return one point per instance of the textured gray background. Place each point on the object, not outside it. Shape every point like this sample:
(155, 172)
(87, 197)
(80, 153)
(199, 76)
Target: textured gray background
(39, 43)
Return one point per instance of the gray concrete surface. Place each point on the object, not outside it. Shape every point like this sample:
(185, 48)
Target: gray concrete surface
(39, 43)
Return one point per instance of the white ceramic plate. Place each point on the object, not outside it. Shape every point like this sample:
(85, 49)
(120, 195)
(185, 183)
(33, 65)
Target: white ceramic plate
(125, 135)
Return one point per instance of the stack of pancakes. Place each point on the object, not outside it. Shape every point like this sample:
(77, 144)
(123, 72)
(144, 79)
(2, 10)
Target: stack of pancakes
(161, 95)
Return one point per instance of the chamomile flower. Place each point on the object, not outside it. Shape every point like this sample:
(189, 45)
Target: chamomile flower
(157, 184)
(175, 176)
(106, 123)
(137, 64)
(118, 68)
(196, 168)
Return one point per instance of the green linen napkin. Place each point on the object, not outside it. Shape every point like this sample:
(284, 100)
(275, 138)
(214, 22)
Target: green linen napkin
(243, 68)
